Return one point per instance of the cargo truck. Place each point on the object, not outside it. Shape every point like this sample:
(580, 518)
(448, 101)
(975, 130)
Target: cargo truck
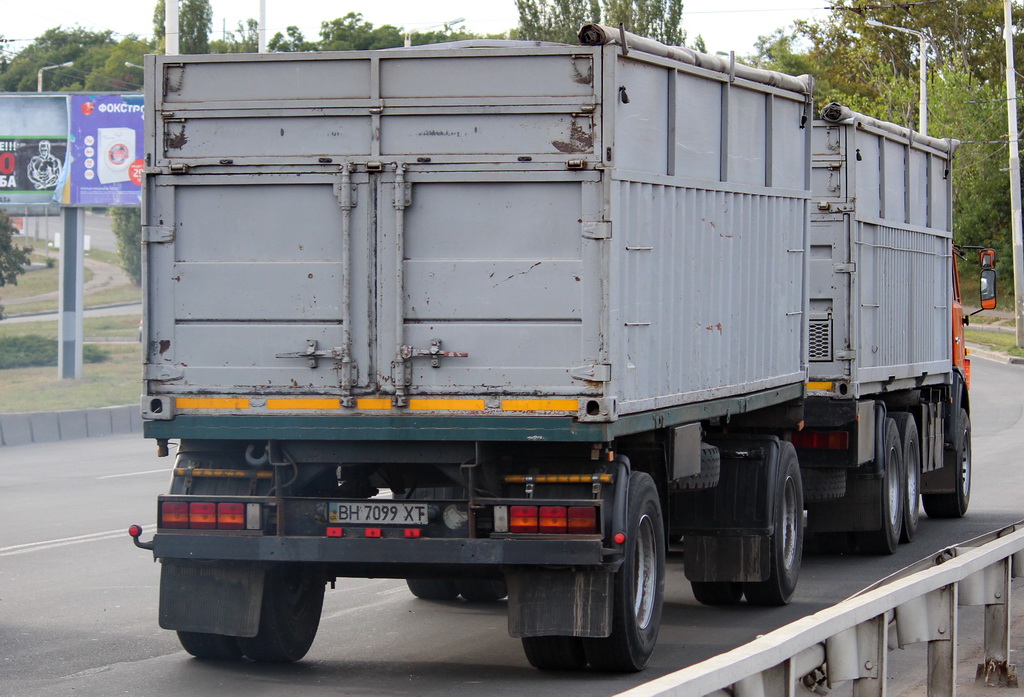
(887, 415)
(492, 317)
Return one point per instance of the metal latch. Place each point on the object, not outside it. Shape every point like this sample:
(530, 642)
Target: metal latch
(434, 353)
(312, 354)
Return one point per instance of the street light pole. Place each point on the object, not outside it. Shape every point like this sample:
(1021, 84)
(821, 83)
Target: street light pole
(1015, 205)
(923, 63)
(39, 75)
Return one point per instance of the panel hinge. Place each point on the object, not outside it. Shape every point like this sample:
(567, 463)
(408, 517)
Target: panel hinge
(599, 372)
(844, 268)
(846, 355)
(155, 234)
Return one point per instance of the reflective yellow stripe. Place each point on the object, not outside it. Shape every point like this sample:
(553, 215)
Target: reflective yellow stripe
(539, 405)
(820, 385)
(304, 403)
(211, 403)
(447, 404)
(373, 403)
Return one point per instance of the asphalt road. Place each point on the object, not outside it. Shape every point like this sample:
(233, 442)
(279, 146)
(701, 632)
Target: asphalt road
(78, 602)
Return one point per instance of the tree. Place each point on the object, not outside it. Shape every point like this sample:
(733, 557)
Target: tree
(88, 50)
(12, 257)
(560, 20)
(351, 33)
(195, 21)
(292, 41)
(245, 39)
(127, 226)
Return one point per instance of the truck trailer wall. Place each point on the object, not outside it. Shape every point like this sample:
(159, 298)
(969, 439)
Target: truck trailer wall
(881, 259)
(565, 230)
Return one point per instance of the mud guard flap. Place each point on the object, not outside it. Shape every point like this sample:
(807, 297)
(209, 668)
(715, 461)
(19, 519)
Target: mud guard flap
(208, 598)
(727, 558)
(561, 602)
(726, 529)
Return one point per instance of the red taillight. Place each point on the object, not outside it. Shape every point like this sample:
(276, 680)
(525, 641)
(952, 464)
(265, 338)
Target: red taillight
(522, 519)
(822, 440)
(552, 519)
(174, 514)
(230, 516)
(582, 520)
(202, 515)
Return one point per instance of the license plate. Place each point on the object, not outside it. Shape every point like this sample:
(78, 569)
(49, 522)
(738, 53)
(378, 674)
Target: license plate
(390, 513)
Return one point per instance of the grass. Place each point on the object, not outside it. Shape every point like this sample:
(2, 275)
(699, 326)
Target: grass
(114, 382)
(1004, 343)
(41, 281)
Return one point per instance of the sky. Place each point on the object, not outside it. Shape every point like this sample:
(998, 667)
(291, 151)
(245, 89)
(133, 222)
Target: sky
(726, 25)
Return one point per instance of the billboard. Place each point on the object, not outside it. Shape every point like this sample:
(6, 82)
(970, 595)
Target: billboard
(33, 149)
(106, 151)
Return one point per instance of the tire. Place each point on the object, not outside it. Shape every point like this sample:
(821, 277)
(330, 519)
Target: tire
(787, 540)
(710, 471)
(638, 587)
(433, 588)
(717, 592)
(826, 484)
(482, 591)
(954, 504)
(886, 539)
(555, 652)
(210, 646)
(289, 617)
(907, 428)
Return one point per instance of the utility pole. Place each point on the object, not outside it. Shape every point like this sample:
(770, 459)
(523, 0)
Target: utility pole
(1015, 214)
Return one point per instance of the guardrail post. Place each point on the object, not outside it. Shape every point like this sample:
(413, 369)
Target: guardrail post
(997, 671)
(860, 654)
(942, 651)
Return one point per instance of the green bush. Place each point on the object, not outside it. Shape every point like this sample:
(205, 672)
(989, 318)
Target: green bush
(33, 350)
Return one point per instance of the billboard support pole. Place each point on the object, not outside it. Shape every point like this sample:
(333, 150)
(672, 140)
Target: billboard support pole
(70, 295)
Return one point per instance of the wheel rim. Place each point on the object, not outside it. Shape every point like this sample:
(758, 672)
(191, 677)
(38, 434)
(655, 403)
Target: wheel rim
(645, 564)
(790, 522)
(913, 483)
(965, 464)
(894, 489)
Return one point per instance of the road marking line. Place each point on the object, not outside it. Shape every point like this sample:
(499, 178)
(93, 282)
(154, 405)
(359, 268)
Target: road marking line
(78, 539)
(132, 474)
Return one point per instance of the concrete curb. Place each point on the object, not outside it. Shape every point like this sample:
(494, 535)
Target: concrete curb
(53, 426)
(978, 352)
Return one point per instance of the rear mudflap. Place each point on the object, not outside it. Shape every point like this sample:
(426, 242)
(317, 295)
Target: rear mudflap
(210, 598)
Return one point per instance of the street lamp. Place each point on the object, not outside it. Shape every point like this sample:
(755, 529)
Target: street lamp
(923, 61)
(133, 65)
(39, 76)
(447, 26)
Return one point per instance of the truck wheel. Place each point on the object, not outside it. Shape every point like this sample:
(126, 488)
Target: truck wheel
(886, 539)
(717, 592)
(787, 540)
(954, 504)
(432, 588)
(481, 591)
(210, 646)
(289, 617)
(555, 652)
(907, 428)
(638, 586)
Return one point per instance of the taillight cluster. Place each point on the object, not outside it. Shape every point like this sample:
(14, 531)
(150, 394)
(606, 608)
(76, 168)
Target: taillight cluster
(822, 440)
(555, 520)
(208, 515)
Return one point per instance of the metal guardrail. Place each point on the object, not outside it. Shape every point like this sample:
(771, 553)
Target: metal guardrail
(851, 640)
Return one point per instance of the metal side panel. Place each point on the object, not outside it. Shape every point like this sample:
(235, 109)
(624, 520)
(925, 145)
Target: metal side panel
(829, 318)
(492, 278)
(252, 268)
(708, 294)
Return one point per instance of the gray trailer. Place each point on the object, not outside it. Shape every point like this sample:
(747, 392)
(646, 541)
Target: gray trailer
(887, 414)
(492, 317)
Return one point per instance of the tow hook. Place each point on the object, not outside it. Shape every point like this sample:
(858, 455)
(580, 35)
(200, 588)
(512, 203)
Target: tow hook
(135, 531)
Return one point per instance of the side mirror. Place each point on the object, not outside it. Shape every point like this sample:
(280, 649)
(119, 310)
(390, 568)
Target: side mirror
(988, 289)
